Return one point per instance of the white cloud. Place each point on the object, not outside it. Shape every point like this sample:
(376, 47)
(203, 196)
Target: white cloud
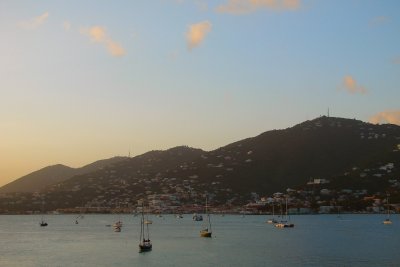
(34, 22)
(392, 117)
(249, 6)
(197, 32)
(350, 85)
(98, 34)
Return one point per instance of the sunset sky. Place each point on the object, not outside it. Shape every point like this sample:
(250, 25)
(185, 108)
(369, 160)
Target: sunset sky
(87, 80)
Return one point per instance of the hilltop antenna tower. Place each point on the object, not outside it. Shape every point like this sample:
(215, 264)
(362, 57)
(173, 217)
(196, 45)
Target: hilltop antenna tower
(328, 112)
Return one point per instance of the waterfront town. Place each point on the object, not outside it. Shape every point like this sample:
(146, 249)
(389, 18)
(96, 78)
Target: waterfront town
(317, 196)
(350, 167)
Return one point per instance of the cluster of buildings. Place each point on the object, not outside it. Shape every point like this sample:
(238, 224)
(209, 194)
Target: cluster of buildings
(321, 196)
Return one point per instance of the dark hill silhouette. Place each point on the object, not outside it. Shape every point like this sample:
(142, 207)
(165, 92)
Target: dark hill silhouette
(325, 147)
(38, 180)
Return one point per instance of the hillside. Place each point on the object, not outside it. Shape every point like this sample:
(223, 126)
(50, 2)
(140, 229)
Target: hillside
(38, 180)
(349, 153)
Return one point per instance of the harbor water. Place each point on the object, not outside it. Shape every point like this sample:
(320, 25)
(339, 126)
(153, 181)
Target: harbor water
(316, 240)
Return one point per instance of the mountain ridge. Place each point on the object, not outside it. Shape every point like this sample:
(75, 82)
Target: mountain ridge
(336, 149)
(48, 175)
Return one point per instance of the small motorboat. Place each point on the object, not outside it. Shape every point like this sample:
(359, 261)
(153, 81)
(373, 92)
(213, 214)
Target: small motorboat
(197, 217)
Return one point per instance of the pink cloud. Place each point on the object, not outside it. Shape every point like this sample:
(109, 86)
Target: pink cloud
(351, 85)
(197, 33)
(392, 117)
(98, 34)
(34, 22)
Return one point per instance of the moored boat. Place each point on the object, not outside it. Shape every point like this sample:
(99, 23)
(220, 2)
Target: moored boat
(145, 243)
(117, 226)
(387, 220)
(285, 223)
(197, 217)
(272, 221)
(42, 222)
(207, 231)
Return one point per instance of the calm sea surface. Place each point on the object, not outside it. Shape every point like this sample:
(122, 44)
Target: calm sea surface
(316, 240)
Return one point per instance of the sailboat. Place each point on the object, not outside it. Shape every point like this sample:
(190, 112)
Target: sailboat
(42, 222)
(284, 223)
(207, 231)
(387, 220)
(145, 242)
(80, 215)
(118, 224)
(273, 220)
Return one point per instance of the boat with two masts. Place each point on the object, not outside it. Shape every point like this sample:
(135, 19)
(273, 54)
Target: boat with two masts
(145, 243)
(285, 221)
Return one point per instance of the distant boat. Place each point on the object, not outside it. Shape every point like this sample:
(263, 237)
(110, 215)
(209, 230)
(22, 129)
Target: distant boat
(179, 216)
(42, 222)
(207, 231)
(197, 217)
(387, 220)
(80, 216)
(272, 220)
(285, 222)
(77, 218)
(145, 242)
(118, 224)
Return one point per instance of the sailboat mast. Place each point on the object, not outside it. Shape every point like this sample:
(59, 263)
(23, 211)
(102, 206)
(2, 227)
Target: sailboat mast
(42, 209)
(206, 206)
(387, 204)
(286, 208)
(287, 213)
(208, 215)
(209, 222)
(273, 210)
(142, 226)
(147, 228)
